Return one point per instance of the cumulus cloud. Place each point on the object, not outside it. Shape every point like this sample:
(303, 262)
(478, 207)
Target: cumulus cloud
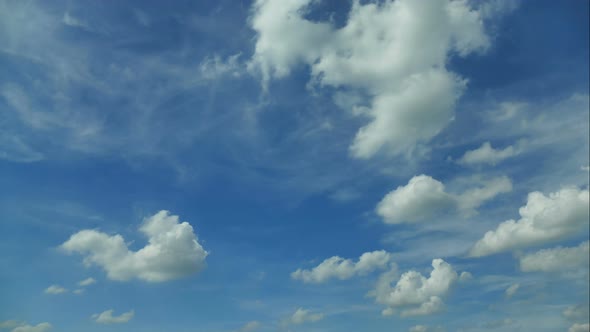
(107, 317)
(87, 282)
(339, 268)
(486, 154)
(415, 294)
(43, 327)
(557, 259)
(55, 289)
(511, 290)
(393, 51)
(543, 219)
(579, 328)
(424, 197)
(302, 316)
(172, 251)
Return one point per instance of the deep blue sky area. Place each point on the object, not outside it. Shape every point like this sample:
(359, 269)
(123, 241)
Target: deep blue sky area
(300, 165)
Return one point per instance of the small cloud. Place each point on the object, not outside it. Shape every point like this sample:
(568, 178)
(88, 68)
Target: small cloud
(79, 291)
(42, 327)
(250, 326)
(55, 289)
(302, 316)
(87, 282)
(510, 291)
(71, 21)
(107, 317)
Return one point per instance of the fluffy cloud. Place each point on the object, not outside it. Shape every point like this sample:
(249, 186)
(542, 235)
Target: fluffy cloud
(415, 294)
(172, 251)
(395, 52)
(486, 154)
(579, 328)
(511, 290)
(557, 259)
(302, 316)
(55, 289)
(424, 197)
(340, 268)
(43, 327)
(107, 317)
(543, 219)
(87, 282)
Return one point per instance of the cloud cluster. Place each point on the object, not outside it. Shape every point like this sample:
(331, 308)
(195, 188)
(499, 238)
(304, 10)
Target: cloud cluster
(415, 294)
(395, 52)
(107, 317)
(543, 219)
(172, 251)
(424, 197)
(339, 268)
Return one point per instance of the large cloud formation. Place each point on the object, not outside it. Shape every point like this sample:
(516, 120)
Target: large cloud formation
(340, 268)
(172, 251)
(423, 197)
(415, 294)
(543, 219)
(394, 52)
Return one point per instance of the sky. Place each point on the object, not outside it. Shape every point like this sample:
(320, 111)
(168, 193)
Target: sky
(294, 165)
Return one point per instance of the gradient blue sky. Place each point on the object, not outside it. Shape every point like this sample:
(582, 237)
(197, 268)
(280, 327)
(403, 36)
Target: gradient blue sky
(244, 120)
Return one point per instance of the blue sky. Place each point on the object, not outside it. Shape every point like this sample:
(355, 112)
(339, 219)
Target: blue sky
(294, 166)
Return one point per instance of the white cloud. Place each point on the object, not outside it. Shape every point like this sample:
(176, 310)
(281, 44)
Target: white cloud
(393, 51)
(576, 312)
(72, 21)
(486, 154)
(172, 251)
(43, 327)
(55, 289)
(87, 282)
(543, 219)
(511, 290)
(8, 324)
(302, 316)
(424, 328)
(340, 268)
(251, 326)
(79, 291)
(215, 67)
(557, 259)
(579, 328)
(107, 317)
(424, 197)
(415, 294)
